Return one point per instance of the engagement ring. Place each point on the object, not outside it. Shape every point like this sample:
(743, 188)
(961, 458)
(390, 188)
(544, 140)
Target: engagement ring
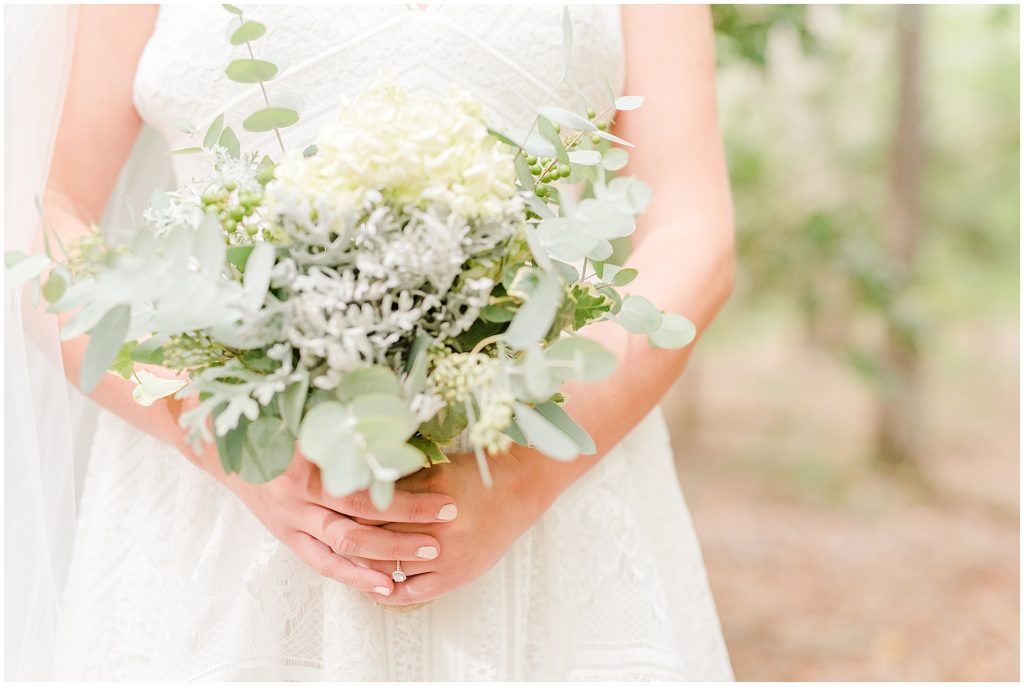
(398, 575)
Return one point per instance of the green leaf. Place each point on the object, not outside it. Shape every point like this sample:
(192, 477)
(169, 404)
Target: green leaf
(229, 140)
(567, 425)
(232, 9)
(309, 151)
(536, 377)
(391, 460)
(291, 401)
(445, 425)
(24, 269)
(249, 31)
(380, 417)
(150, 351)
(105, 341)
(503, 138)
(585, 157)
(590, 306)
(615, 159)
(247, 70)
(256, 279)
(676, 332)
(186, 151)
(270, 118)
(639, 315)
(516, 434)
(534, 318)
(416, 366)
(567, 119)
(124, 363)
(328, 439)
(238, 255)
(497, 315)
(13, 257)
(618, 276)
(267, 450)
(624, 103)
(547, 130)
(214, 131)
(431, 451)
(229, 446)
(581, 358)
(368, 380)
(544, 435)
(54, 287)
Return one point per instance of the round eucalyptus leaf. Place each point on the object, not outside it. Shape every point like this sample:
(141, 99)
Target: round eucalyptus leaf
(535, 317)
(54, 287)
(250, 71)
(554, 413)
(249, 31)
(270, 118)
(639, 315)
(585, 157)
(393, 459)
(232, 9)
(375, 379)
(267, 450)
(105, 342)
(383, 417)
(615, 159)
(580, 358)
(327, 432)
(676, 332)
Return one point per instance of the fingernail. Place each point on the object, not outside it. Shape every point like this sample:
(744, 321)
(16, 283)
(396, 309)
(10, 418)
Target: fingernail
(448, 512)
(383, 590)
(427, 552)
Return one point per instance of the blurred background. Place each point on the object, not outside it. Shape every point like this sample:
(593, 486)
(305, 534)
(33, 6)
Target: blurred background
(848, 431)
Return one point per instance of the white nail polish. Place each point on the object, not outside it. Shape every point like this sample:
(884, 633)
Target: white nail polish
(427, 552)
(383, 590)
(448, 513)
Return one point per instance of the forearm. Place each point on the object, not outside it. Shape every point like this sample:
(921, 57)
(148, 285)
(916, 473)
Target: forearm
(685, 267)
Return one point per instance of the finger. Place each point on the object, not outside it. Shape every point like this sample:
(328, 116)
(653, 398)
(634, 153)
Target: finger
(416, 589)
(405, 507)
(346, 537)
(322, 559)
(411, 568)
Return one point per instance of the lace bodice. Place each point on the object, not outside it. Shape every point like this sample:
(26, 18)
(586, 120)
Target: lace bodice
(508, 56)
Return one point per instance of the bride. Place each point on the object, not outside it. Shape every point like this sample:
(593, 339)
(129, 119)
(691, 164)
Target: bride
(562, 571)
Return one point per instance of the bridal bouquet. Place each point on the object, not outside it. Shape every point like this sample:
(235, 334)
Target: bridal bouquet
(411, 276)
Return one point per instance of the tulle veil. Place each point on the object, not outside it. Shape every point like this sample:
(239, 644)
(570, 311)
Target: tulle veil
(48, 424)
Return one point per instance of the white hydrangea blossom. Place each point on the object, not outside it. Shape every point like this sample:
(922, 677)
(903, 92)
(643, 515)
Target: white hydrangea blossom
(395, 227)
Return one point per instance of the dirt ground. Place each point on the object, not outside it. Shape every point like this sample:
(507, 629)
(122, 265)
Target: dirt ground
(822, 567)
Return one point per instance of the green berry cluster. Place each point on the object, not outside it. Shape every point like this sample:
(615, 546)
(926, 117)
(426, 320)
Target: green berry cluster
(234, 208)
(547, 171)
(192, 351)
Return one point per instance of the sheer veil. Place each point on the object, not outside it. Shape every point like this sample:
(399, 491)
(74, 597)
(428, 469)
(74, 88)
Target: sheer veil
(48, 424)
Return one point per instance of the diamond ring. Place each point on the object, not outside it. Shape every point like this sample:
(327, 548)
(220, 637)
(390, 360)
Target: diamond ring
(398, 575)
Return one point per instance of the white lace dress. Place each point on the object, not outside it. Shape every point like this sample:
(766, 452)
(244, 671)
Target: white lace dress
(173, 579)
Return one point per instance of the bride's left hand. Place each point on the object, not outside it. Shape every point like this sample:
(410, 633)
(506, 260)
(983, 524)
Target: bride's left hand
(489, 521)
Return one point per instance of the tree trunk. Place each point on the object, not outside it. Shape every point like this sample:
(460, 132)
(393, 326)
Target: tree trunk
(898, 435)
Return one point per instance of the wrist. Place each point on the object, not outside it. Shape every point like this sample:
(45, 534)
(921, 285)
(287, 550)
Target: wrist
(539, 480)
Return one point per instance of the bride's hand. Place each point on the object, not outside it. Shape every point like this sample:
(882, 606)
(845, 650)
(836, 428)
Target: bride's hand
(320, 528)
(489, 522)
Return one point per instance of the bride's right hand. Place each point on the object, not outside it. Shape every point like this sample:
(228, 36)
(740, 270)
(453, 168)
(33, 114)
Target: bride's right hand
(322, 530)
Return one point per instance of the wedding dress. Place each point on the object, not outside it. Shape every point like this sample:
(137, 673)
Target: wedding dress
(173, 578)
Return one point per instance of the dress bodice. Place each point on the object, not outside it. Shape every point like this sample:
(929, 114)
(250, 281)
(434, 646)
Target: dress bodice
(507, 56)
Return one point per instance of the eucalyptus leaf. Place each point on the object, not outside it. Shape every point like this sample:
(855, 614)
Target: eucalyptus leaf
(613, 138)
(229, 446)
(248, 70)
(615, 159)
(580, 358)
(150, 351)
(431, 451)
(624, 103)
(639, 315)
(554, 413)
(24, 270)
(566, 42)
(676, 332)
(54, 287)
(534, 318)
(186, 151)
(213, 131)
(229, 140)
(291, 401)
(104, 343)
(585, 157)
(232, 9)
(536, 378)
(380, 416)
(267, 451)
(543, 435)
(256, 279)
(497, 315)
(366, 380)
(382, 493)
(516, 434)
(327, 438)
(249, 31)
(394, 459)
(547, 130)
(568, 119)
(270, 118)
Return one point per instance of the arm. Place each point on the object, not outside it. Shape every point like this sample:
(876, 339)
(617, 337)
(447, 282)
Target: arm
(97, 129)
(684, 251)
